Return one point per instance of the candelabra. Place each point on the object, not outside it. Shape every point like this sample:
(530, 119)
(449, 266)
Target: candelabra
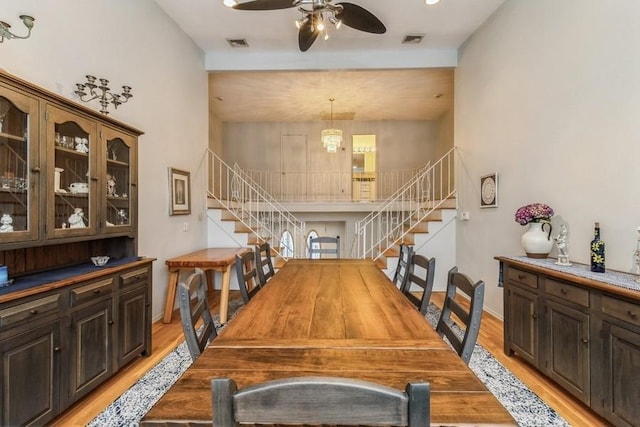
(6, 34)
(102, 93)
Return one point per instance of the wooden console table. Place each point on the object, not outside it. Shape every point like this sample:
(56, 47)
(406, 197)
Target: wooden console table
(209, 260)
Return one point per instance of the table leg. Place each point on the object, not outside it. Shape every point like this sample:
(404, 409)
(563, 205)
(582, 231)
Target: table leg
(171, 295)
(224, 294)
(211, 280)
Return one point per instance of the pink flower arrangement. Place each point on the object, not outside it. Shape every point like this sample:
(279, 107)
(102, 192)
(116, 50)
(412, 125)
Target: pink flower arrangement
(535, 212)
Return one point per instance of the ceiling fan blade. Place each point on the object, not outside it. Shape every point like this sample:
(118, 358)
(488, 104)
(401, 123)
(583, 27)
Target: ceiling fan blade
(307, 34)
(264, 5)
(359, 18)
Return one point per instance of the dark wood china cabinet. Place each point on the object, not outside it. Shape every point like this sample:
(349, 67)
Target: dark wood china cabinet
(68, 191)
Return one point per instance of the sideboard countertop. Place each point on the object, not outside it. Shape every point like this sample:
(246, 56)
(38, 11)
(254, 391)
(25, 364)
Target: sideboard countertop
(612, 281)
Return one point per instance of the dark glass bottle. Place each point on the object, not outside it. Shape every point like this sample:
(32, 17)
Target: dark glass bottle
(597, 251)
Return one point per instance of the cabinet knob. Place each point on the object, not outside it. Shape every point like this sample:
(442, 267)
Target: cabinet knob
(521, 276)
(35, 169)
(563, 291)
(96, 291)
(34, 311)
(93, 178)
(110, 322)
(57, 348)
(584, 340)
(632, 314)
(534, 316)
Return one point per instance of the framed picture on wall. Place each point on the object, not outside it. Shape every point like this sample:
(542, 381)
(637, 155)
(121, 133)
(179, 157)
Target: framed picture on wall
(489, 190)
(179, 192)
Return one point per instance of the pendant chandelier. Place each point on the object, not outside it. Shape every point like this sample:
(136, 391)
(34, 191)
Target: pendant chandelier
(331, 138)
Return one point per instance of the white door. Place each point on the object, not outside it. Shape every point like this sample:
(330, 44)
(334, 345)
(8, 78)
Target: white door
(294, 167)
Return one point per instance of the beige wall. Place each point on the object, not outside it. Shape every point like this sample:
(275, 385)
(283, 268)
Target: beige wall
(548, 96)
(400, 144)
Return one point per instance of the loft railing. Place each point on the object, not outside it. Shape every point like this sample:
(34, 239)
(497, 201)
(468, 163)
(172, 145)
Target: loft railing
(325, 186)
(405, 210)
(255, 208)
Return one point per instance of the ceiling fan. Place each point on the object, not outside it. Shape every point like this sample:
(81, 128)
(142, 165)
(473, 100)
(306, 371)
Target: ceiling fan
(315, 14)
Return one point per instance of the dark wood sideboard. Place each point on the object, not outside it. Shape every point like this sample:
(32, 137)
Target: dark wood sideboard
(580, 329)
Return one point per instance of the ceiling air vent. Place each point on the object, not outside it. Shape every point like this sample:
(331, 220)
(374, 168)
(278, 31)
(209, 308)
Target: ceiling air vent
(412, 39)
(238, 42)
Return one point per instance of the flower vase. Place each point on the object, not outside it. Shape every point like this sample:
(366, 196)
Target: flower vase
(536, 241)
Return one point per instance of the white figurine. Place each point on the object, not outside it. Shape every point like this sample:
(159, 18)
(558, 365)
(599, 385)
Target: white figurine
(561, 243)
(6, 222)
(76, 220)
(111, 186)
(82, 145)
(122, 217)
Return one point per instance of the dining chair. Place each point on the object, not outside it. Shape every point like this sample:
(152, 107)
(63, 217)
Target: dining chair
(316, 246)
(194, 308)
(264, 264)
(247, 273)
(464, 342)
(420, 273)
(319, 400)
(404, 258)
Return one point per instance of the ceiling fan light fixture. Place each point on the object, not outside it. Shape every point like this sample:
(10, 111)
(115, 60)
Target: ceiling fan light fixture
(336, 22)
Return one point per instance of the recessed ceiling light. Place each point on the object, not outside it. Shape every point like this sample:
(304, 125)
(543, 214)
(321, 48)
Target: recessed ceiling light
(412, 38)
(229, 3)
(238, 42)
(429, 2)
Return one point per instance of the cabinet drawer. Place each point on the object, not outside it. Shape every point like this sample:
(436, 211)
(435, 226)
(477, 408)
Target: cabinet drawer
(134, 277)
(567, 292)
(622, 310)
(523, 277)
(29, 310)
(91, 291)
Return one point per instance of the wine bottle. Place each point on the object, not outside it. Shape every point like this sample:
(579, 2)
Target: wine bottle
(597, 251)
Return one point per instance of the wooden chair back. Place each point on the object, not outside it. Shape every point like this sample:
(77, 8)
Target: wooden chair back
(420, 273)
(470, 318)
(402, 269)
(247, 273)
(324, 245)
(194, 307)
(264, 263)
(319, 400)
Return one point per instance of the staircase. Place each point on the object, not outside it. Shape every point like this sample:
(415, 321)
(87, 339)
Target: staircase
(422, 214)
(408, 211)
(252, 210)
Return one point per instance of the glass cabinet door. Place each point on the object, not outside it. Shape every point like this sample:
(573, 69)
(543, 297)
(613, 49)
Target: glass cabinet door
(118, 182)
(72, 175)
(19, 170)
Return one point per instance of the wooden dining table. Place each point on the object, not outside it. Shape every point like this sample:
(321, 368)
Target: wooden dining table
(340, 318)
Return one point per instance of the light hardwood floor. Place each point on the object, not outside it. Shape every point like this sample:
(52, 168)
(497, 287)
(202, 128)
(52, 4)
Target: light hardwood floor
(167, 336)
